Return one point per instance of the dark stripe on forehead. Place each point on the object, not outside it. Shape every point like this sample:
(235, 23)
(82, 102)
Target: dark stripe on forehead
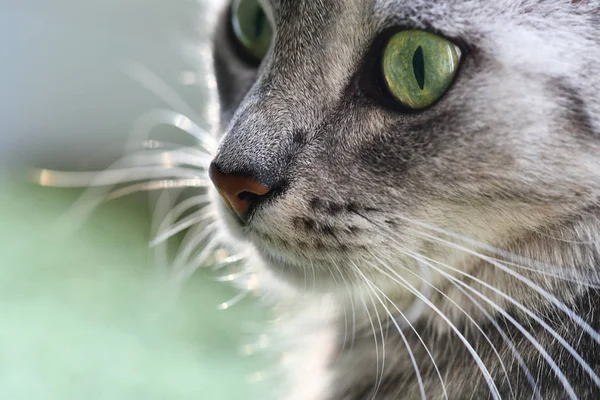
(310, 33)
(287, 5)
(311, 14)
(576, 113)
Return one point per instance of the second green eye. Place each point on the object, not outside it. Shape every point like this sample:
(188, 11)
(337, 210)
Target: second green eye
(419, 67)
(251, 27)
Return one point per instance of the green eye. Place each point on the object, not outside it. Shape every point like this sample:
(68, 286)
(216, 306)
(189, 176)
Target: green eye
(251, 27)
(419, 67)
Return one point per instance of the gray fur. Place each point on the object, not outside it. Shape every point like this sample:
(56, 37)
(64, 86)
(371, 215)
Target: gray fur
(509, 157)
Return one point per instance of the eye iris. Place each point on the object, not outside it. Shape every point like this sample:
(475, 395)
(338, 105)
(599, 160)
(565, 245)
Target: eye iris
(418, 67)
(251, 27)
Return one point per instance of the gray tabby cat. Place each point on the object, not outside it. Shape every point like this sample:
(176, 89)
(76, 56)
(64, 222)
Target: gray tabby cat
(434, 166)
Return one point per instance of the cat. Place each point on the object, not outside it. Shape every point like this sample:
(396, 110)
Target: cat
(432, 166)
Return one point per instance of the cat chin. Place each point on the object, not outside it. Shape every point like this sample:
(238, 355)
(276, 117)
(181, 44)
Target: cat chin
(278, 267)
(290, 272)
(299, 276)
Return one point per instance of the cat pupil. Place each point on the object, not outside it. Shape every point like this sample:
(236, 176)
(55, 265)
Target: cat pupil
(419, 67)
(259, 23)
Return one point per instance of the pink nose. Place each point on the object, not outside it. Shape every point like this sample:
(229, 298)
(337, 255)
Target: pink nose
(237, 190)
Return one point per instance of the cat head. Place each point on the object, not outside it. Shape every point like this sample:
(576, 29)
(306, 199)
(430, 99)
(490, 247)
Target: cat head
(326, 167)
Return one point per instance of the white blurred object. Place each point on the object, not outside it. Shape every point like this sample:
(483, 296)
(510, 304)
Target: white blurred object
(67, 99)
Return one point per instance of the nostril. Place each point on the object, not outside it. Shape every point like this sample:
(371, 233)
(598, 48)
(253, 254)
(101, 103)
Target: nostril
(238, 191)
(250, 197)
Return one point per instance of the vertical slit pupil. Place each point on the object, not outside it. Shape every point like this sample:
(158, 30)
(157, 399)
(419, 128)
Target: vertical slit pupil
(259, 23)
(419, 67)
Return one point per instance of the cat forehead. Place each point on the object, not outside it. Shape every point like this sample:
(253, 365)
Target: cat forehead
(357, 17)
(438, 14)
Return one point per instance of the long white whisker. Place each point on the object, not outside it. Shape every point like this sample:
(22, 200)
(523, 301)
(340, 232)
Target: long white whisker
(229, 261)
(377, 370)
(411, 326)
(534, 265)
(555, 368)
(403, 282)
(109, 178)
(560, 305)
(92, 197)
(538, 346)
(239, 297)
(233, 277)
(380, 371)
(549, 329)
(187, 270)
(164, 203)
(410, 352)
(196, 238)
(150, 81)
(550, 297)
(134, 167)
(345, 312)
(462, 310)
(144, 126)
(314, 275)
(353, 307)
(421, 259)
(176, 211)
(576, 318)
(182, 225)
(154, 186)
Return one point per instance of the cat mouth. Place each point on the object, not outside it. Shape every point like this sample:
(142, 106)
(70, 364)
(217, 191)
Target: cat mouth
(291, 259)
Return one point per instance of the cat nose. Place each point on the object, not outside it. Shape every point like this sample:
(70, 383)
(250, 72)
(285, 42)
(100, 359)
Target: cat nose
(239, 192)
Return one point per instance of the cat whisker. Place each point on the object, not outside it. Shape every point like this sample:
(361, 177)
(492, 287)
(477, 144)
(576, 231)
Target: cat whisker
(154, 186)
(380, 370)
(380, 376)
(233, 277)
(185, 271)
(411, 326)
(462, 310)
(372, 287)
(151, 120)
(547, 295)
(93, 196)
(108, 178)
(229, 261)
(141, 165)
(405, 284)
(153, 83)
(172, 212)
(344, 342)
(560, 305)
(538, 346)
(314, 274)
(305, 276)
(193, 219)
(164, 203)
(238, 298)
(421, 259)
(518, 261)
(516, 354)
(193, 239)
(555, 368)
(351, 298)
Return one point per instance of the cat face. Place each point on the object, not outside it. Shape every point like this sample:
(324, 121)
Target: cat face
(352, 183)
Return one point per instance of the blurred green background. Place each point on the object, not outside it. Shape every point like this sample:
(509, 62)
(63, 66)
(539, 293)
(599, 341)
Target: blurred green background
(85, 315)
